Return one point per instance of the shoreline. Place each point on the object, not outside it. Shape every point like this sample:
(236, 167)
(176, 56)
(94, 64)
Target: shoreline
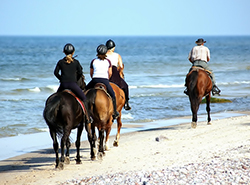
(178, 145)
(26, 143)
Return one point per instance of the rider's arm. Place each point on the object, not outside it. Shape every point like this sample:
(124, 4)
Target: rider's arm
(110, 71)
(91, 72)
(120, 64)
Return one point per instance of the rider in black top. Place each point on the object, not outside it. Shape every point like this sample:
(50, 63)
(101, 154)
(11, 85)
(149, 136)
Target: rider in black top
(71, 71)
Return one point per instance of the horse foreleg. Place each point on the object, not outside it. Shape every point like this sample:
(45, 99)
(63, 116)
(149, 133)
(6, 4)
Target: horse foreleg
(119, 126)
(78, 143)
(55, 145)
(208, 98)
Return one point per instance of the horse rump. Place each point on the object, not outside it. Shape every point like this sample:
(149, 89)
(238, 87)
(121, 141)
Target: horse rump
(191, 80)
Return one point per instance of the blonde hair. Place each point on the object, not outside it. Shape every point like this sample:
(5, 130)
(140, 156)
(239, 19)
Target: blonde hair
(69, 58)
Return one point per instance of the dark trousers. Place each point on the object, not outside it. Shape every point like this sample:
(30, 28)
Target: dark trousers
(115, 78)
(74, 88)
(105, 81)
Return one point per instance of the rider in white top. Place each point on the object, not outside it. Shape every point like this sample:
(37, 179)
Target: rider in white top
(116, 61)
(100, 72)
(100, 68)
(114, 58)
(200, 56)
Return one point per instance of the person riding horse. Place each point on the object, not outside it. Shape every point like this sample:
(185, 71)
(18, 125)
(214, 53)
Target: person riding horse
(116, 61)
(100, 72)
(199, 56)
(71, 71)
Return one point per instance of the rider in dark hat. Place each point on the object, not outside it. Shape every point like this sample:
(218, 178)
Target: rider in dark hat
(200, 56)
(116, 61)
(70, 71)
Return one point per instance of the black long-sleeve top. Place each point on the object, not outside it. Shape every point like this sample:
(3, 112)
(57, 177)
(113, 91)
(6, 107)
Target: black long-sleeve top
(70, 72)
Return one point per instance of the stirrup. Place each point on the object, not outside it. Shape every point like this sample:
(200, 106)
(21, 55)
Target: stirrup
(186, 91)
(116, 114)
(126, 106)
(216, 90)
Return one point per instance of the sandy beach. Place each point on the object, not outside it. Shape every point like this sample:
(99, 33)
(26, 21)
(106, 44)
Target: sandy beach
(145, 151)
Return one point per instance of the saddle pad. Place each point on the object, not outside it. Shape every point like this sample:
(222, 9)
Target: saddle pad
(78, 100)
(197, 68)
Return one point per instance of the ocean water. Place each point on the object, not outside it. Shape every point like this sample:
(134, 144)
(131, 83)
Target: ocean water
(155, 69)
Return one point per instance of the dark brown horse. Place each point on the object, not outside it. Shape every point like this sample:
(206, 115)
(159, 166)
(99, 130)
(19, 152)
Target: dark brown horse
(63, 113)
(101, 110)
(199, 85)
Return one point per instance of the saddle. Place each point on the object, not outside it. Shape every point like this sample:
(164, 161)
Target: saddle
(197, 68)
(102, 87)
(78, 100)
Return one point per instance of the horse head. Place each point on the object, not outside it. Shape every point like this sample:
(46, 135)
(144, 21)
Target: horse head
(81, 82)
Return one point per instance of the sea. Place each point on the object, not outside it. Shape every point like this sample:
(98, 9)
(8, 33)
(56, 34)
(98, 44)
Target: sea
(155, 70)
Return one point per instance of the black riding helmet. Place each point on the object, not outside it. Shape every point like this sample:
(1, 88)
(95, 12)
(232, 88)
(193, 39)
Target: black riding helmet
(101, 49)
(68, 49)
(110, 44)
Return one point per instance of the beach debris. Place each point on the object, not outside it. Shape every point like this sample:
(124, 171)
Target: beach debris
(161, 137)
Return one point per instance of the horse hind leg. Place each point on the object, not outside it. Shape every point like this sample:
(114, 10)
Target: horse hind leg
(208, 98)
(67, 159)
(55, 146)
(101, 152)
(194, 108)
(78, 143)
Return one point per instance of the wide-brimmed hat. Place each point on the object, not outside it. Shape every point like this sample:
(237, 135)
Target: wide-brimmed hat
(200, 41)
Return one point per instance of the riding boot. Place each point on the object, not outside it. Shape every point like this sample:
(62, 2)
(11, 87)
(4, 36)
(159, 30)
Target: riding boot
(186, 91)
(215, 90)
(127, 106)
(116, 113)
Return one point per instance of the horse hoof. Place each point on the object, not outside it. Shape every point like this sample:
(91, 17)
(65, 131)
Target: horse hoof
(100, 155)
(67, 160)
(78, 162)
(193, 124)
(209, 123)
(116, 143)
(93, 158)
(60, 166)
(106, 148)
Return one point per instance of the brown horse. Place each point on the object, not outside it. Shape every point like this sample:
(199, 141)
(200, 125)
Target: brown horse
(101, 110)
(199, 85)
(63, 113)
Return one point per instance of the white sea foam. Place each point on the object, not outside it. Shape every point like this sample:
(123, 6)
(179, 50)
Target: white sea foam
(52, 87)
(36, 89)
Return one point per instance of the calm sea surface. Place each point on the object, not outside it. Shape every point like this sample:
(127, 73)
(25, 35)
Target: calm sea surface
(155, 69)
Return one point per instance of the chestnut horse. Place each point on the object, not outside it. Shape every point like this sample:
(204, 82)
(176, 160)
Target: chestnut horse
(63, 113)
(199, 85)
(101, 110)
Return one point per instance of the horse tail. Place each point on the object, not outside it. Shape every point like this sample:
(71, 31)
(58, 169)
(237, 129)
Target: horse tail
(50, 114)
(90, 99)
(193, 80)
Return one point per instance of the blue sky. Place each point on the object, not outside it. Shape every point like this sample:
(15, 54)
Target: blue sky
(127, 17)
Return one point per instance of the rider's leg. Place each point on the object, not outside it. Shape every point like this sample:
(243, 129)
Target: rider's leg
(124, 87)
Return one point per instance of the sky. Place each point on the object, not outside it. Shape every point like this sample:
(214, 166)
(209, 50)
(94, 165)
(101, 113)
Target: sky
(124, 18)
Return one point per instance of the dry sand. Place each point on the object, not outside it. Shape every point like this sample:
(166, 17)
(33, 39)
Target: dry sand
(175, 146)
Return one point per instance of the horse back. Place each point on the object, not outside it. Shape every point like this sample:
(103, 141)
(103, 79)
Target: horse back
(198, 82)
